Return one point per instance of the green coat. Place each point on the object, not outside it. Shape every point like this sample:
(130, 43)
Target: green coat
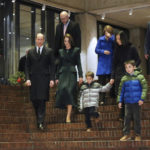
(67, 76)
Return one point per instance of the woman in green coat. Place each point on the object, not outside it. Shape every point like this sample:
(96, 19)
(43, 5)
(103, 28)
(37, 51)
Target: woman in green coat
(66, 77)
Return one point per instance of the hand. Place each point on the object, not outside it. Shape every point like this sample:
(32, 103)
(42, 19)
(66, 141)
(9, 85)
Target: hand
(106, 52)
(51, 84)
(140, 102)
(28, 83)
(111, 81)
(146, 56)
(108, 35)
(120, 105)
(80, 80)
(56, 82)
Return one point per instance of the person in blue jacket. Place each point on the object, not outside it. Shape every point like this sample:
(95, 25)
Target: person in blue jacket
(104, 50)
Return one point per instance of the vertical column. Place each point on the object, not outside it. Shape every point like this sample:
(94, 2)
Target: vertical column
(8, 34)
(89, 40)
(137, 37)
(50, 28)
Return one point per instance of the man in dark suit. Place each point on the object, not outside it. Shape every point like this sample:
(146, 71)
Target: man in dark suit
(66, 26)
(40, 76)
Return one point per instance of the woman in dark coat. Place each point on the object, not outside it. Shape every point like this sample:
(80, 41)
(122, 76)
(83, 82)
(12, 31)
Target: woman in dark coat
(69, 57)
(147, 48)
(124, 51)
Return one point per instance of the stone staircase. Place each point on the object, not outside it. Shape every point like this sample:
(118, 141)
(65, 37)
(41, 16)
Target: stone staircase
(18, 126)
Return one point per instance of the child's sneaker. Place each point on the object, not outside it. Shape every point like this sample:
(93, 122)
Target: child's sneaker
(88, 130)
(98, 118)
(137, 138)
(101, 103)
(125, 138)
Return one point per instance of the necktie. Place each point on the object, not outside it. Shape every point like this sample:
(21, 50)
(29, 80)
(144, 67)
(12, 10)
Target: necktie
(39, 51)
(65, 28)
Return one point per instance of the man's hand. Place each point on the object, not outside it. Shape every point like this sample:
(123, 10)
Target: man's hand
(120, 105)
(51, 84)
(111, 81)
(140, 102)
(28, 83)
(146, 56)
(80, 80)
(106, 52)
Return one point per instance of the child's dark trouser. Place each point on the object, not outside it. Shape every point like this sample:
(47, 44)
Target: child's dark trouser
(90, 112)
(132, 111)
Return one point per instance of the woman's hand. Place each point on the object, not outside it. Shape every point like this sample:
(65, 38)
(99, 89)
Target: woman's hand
(51, 84)
(80, 80)
(56, 82)
(106, 52)
(146, 56)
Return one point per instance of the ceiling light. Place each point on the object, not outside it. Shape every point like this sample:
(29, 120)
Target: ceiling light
(13, 1)
(2, 4)
(103, 16)
(69, 13)
(131, 12)
(43, 7)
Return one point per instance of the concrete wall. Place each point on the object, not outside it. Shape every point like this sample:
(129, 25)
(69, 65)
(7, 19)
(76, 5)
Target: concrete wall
(72, 5)
(102, 4)
(89, 40)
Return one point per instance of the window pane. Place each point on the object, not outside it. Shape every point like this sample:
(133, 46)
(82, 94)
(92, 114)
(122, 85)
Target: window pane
(38, 21)
(56, 20)
(25, 29)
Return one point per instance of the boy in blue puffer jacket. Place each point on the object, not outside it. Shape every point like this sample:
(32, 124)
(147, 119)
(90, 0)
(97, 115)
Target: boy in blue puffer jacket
(133, 91)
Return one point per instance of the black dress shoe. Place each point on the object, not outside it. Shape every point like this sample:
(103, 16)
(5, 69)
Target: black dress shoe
(40, 126)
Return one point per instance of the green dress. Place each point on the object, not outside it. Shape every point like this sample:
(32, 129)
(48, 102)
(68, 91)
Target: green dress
(67, 76)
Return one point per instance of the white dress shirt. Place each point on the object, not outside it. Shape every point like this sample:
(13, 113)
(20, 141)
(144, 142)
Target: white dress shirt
(41, 48)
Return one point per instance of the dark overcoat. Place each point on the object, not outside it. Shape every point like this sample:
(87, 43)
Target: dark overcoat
(40, 70)
(22, 63)
(67, 76)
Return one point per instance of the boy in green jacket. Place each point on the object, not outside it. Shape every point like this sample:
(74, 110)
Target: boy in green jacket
(132, 91)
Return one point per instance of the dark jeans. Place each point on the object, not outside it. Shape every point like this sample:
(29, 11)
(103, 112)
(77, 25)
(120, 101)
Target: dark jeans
(90, 112)
(40, 107)
(132, 111)
(103, 79)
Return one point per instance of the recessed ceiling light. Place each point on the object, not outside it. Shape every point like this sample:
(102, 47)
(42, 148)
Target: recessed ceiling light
(131, 12)
(13, 1)
(43, 7)
(103, 16)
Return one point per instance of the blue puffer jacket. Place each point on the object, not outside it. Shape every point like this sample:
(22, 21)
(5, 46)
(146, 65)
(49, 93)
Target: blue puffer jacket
(132, 88)
(104, 61)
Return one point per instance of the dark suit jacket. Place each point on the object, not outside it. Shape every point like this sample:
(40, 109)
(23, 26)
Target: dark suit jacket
(22, 63)
(147, 40)
(40, 70)
(73, 29)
